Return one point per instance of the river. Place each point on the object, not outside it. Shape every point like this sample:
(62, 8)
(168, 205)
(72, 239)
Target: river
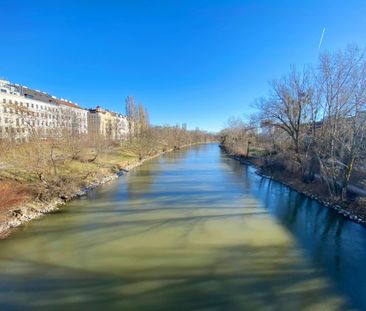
(190, 230)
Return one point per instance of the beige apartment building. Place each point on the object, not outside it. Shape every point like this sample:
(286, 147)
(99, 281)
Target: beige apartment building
(107, 124)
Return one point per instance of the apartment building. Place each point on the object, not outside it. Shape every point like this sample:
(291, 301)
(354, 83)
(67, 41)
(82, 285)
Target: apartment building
(7, 87)
(107, 124)
(76, 118)
(24, 112)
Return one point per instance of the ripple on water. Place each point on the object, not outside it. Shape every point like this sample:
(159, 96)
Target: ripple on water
(181, 232)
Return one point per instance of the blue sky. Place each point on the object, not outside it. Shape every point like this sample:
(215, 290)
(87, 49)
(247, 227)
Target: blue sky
(198, 61)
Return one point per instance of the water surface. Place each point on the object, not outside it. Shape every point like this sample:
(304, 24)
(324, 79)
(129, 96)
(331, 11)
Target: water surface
(191, 230)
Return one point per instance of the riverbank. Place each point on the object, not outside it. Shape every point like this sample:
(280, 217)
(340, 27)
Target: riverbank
(315, 190)
(189, 216)
(15, 216)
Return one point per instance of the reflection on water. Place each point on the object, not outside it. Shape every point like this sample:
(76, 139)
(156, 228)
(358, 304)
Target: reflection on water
(191, 230)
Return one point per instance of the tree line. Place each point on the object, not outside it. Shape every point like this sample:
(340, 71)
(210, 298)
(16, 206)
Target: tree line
(58, 162)
(146, 139)
(312, 123)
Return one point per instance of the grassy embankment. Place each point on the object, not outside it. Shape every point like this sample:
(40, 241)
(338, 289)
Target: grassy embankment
(35, 174)
(39, 176)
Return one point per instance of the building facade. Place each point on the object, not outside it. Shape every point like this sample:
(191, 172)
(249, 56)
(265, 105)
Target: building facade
(25, 112)
(37, 113)
(107, 124)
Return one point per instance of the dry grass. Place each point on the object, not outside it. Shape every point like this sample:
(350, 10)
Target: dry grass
(12, 194)
(46, 169)
(55, 169)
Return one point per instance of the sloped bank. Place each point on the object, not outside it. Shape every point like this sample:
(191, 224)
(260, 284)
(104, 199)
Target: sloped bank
(344, 211)
(20, 215)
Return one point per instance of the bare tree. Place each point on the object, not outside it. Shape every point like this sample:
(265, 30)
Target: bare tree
(132, 115)
(287, 107)
(238, 136)
(341, 79)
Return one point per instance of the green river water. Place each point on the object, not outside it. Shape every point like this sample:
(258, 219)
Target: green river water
(190, 230)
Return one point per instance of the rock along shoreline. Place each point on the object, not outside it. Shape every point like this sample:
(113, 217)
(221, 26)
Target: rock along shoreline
(324, 202)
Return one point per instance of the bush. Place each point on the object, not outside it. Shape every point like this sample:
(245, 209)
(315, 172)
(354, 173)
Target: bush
(281, 162)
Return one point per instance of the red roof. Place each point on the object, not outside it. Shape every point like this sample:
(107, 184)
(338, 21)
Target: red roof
(65, 103)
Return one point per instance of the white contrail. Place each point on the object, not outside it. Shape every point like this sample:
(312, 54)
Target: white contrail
(321, 38)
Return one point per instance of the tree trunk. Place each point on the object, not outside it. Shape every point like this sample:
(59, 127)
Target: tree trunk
(248, 149)
(346, 177)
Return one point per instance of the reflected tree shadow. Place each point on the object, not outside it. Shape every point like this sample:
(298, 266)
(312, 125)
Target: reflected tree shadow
(241, 277)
